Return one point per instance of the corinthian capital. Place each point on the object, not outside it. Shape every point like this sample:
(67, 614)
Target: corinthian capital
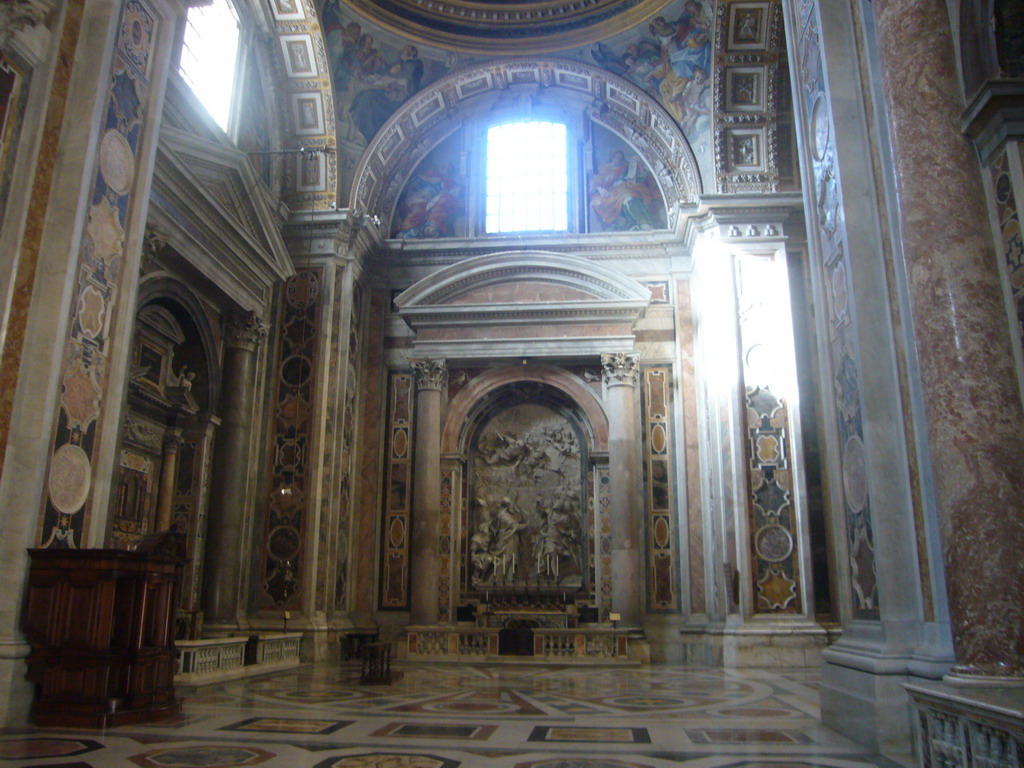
(244, 330)
(430, 374)
(621, 369)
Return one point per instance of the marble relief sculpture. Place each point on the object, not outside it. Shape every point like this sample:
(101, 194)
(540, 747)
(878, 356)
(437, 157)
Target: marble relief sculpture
(526, 515)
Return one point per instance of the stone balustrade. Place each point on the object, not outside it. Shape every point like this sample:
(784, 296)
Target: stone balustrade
(961, 727)
(577, 645)
(224, 658)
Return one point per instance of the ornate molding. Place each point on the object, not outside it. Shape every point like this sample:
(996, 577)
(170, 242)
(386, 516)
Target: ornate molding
(430, 374)
(16, 15)
(621, 369)
(244, 330)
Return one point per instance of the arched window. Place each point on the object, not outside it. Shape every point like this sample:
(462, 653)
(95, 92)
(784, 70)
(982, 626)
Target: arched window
(527, 186)
(209, 52)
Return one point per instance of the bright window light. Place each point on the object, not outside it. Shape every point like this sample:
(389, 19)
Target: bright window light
(208, 57)
(527, 179)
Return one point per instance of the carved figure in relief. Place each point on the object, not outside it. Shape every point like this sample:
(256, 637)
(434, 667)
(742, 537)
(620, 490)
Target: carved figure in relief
(526, 525)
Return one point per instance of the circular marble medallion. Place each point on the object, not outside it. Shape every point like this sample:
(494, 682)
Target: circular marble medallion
(283, 543)
(855, 479)
(70, 478)
(821, 127)
(117, 163)
(773, 543)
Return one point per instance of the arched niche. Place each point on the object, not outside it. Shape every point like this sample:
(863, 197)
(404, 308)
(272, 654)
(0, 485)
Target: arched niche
(458, 424)
(163, 290)
(472, 94)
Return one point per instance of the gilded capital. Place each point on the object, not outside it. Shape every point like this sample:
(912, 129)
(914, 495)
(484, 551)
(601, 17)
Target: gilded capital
(244, 330)
(621, 369)
(430, 374)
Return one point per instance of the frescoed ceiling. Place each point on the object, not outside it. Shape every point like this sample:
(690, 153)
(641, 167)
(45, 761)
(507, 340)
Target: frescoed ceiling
(527, 26)
(717, 67)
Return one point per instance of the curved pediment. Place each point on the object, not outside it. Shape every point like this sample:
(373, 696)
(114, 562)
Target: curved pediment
(523, 304)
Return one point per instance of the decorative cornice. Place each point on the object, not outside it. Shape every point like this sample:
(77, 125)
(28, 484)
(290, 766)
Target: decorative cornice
(244, 330)
(16, 15)
(430, 374)
(621, 369)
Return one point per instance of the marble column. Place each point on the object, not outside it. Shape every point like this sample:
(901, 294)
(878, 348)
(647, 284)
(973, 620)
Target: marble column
(168, 473)
(974, 413)
(621, 373)
(431, 379)
(231, 460)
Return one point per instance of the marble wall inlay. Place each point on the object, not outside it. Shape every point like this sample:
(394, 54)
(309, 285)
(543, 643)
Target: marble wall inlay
(282, 563)
(100, 277)
(659, 465)
(394, 581)
(830, 257)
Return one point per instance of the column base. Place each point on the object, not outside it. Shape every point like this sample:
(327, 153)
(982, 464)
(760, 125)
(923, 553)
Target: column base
(16, 693)
(767, 645)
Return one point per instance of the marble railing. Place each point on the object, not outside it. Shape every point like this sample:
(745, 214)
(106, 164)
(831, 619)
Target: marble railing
(562, 645)
(962, 727)
(280, 649)
(209, 658)
(223, 658)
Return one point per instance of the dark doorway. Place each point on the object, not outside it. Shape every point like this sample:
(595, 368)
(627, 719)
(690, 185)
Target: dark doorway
(516, 639)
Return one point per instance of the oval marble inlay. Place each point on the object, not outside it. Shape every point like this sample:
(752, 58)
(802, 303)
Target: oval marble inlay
(821, 127)
(773, 543)
(70, 478)
(855, 480)
(397, 532)
(840, 297)
(117, 164)
(401, 443)
(661, 533)
(658, 439)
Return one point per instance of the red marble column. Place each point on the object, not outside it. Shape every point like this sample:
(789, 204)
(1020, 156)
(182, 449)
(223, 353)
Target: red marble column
(974, 413)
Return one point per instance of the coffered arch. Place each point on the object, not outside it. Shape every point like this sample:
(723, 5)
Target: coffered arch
(441, 108)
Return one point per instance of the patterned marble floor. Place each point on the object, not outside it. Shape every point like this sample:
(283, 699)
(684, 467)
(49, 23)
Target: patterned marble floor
(473, 715)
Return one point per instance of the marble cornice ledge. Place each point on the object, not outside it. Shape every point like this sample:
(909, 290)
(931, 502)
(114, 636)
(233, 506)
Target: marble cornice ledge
(994, 115)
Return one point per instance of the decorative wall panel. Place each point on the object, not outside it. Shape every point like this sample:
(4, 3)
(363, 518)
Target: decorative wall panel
(602, 490)
(770, 505)
(449, 489)
(362, 549)
(14, 82)
(346, 499)
(660, 490)
(281, 567)
(1008, 218)
(394, 583)
(831, 260)
(99, 279)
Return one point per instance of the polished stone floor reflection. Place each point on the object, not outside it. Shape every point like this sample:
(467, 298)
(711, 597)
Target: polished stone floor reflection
(500, 716)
